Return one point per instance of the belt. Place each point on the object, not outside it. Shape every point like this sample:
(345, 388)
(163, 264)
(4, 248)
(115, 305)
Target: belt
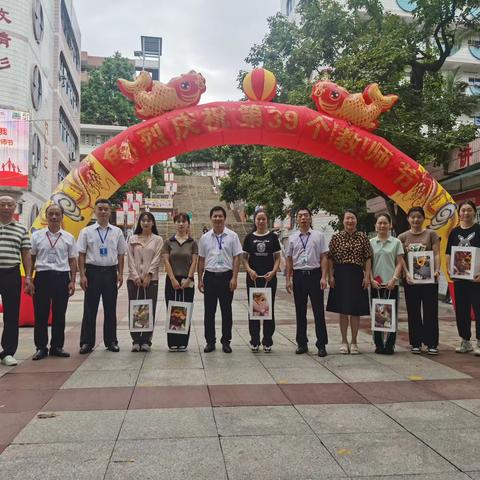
(100, 268)
(219, 274)
(306, 272)
(10, 269)
(53, 272)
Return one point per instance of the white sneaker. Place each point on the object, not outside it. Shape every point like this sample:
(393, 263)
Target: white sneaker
(135, 347)
(9, 361)
(145, 348)
(267, 349)
(254, 348)
(465, 347)
(476, 350)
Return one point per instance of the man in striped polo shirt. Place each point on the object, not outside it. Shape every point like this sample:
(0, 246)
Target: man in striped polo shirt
(14, 248)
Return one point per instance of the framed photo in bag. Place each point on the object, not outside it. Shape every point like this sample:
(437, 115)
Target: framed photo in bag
(260, 303)
(141, 316)
(384, 315)
(421, 266)
(464, 262)
(179, 316)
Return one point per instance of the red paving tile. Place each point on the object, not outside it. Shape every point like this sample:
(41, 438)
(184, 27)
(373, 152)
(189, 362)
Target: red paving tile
(392, 392)
(12, 401)
(3, 447)
(33, 381)
(246, 395)
(318, 393)
(454, 389)
(77, 399)
(170, 397)
(12, 423)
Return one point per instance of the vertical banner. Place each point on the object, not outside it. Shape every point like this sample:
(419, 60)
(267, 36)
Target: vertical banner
(130, 218)
(14, 148)
(139, 197)
(136, 208)
(130, 199)
(120, 217)
(125, 207)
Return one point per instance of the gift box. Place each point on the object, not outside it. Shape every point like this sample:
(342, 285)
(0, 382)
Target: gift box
(421, 266)
(464, 263)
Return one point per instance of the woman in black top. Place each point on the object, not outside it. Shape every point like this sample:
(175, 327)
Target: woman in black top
(467, 292)
(262, 260)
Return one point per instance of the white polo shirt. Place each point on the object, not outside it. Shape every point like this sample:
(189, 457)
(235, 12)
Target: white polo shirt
(53, 250)
(306, 249)
(101, 245)
(219, 250)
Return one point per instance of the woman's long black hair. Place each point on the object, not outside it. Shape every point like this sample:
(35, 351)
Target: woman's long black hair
(139, 230)
(260, 210)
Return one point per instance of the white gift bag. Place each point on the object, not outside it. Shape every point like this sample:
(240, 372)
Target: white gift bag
(465, 262)
(141, 314)
(260, 303)
(179, 315)
(384, 315)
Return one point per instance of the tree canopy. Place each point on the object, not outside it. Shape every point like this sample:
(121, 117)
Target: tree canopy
(360, 43)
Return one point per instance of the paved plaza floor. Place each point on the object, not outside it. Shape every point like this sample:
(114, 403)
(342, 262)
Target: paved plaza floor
(244, 416)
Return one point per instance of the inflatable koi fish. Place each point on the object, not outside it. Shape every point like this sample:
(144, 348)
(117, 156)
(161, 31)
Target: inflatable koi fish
(360, 109)
(153, 98)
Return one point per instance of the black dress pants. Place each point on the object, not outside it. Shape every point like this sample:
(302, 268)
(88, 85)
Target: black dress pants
(217, 289)
(102, 282)
(306, 283)
(184, 295)
(51, 289)
(378, 337)
(422, 329)
(10, 290)
(467, 296)
(140, 293)
(268, 325)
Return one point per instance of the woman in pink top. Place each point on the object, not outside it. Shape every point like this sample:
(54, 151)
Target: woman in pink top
(143, 266)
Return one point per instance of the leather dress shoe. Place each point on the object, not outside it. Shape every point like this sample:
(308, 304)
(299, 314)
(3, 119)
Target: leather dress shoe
(322, 351)
(113, 347)
(209, 347)
(301, 350)
(226, 348)
(41, 353)
(59, 352)
(85, 348)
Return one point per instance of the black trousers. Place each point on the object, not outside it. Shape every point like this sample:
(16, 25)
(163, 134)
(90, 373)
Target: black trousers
(467, 296)
(10, 290)
(378, 337)
(51, 290)
(150, 293)
(307, 284)
(422, 329)
(184, 295)
(102, 282)
(217, 289)
(268, 325)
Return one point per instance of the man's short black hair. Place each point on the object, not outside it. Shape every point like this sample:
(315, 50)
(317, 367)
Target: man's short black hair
(303, 208)
(104, 200)
(218, 208)
(55, 205)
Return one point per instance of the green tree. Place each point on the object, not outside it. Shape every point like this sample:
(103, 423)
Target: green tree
(363, 44)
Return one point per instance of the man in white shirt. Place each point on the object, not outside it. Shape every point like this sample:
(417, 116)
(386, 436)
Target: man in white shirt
(219, 252)
(307, 264)
(54, 257)
(101, 250)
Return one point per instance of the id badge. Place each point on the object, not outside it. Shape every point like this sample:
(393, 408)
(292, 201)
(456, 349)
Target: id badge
(52, 257)
(103, 251)
(304, 258)
(220, 258)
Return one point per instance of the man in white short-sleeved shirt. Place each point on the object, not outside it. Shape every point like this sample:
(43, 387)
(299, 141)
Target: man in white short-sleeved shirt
(54, 258)
(101, 251)
(219, 252)
(307, 265)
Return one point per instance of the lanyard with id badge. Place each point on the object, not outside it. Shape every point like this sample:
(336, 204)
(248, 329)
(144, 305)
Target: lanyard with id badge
(220, 255)
(103, 247)
(304, 256)
(52, 253)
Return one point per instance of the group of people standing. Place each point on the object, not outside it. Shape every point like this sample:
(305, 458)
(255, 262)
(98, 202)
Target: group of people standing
(351, 265)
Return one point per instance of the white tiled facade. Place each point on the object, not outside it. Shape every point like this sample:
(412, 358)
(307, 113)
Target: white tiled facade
(55, 124)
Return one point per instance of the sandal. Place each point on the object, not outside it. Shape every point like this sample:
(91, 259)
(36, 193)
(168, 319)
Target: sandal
(354, 349)
(344, 349)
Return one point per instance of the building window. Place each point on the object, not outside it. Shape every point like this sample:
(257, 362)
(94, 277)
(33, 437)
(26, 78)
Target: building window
(474, 47)
(67, 84)
(68, 136)
(62, 172)
(36, 88)
(476, 121)
(69, 35)
(474, 84)
(290, 5)
(407, 5)
(36, 154)
(38, 23)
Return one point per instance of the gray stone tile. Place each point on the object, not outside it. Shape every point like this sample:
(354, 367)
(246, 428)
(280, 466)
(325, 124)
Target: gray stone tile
(237, 376)
(444, 415)
(474, 475)
(433, 371)
(282, 457)
(394, 453)
(100, 363)
(347, 418)
(153, 377)
(218, 359)
(365, 373)
(435, 476)
(101, 378)
(303, 375)
(460, 447)
(56, 461)
(470, 405)
(287, 360)
(166, 360)
(168, 423)
(172, 459)
(271, 420)
(71, 427)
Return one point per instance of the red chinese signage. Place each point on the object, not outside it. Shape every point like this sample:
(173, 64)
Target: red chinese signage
(4, 39)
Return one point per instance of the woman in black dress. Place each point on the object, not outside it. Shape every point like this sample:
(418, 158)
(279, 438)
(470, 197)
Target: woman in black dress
(350, 264)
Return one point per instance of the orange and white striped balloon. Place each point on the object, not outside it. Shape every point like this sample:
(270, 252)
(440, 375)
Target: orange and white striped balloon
(260, 85)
